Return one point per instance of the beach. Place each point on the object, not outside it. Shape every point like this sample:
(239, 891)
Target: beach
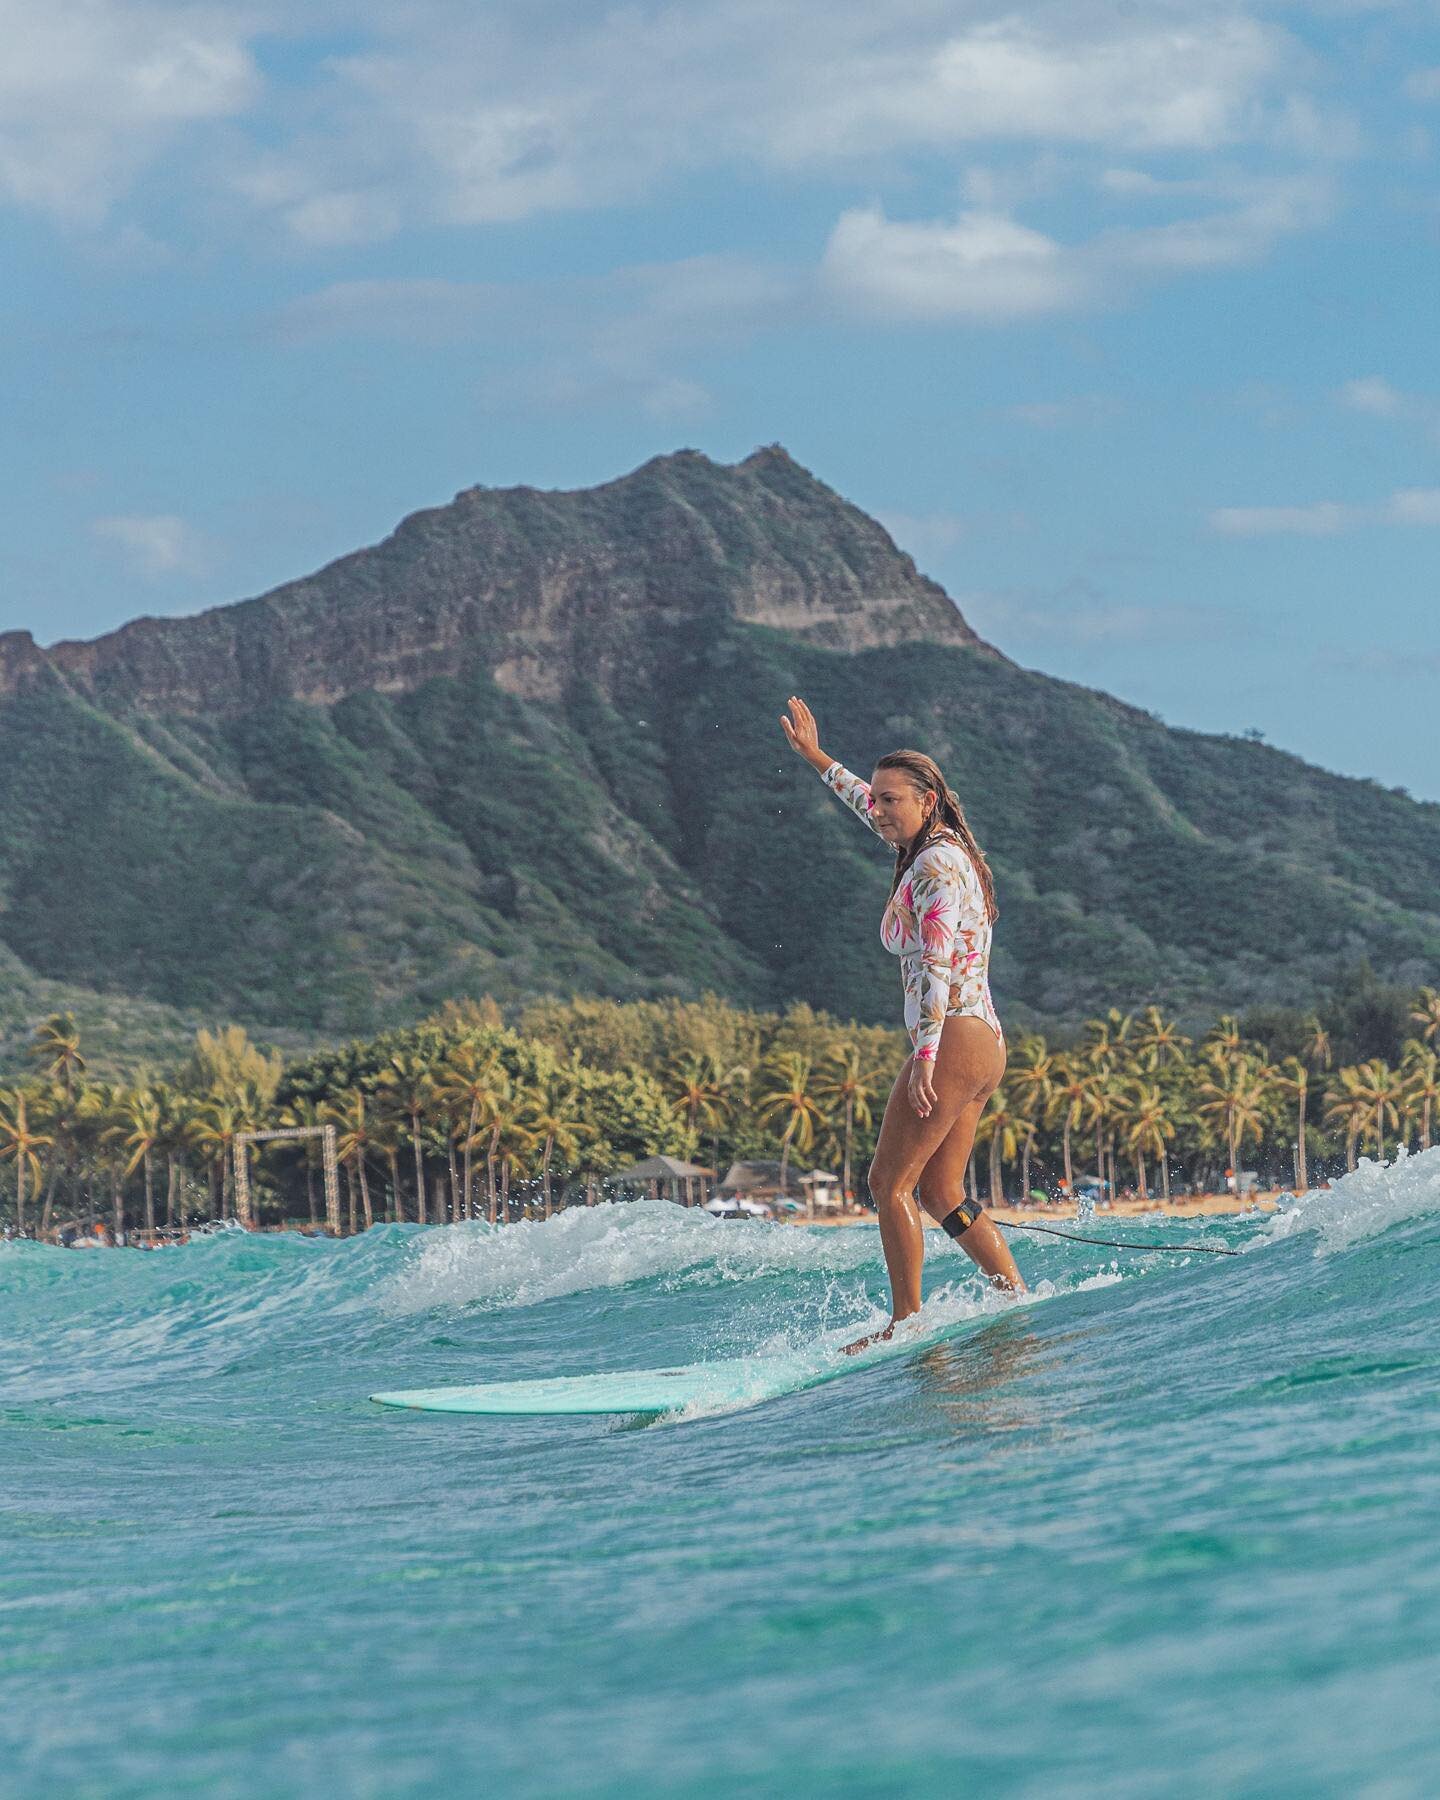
(1192, 1206)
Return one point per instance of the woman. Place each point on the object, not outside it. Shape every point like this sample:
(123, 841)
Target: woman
(937, 921)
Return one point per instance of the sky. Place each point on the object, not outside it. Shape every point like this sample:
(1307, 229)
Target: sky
(1121, 317)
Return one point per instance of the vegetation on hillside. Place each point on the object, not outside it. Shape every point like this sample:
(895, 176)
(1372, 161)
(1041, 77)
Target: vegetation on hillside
(635, 827)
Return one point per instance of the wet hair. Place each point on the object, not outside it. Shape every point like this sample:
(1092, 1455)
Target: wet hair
(948, 819)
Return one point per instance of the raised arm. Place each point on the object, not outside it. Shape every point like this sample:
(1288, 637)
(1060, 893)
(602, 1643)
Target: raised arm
(936, 888)
(852, 790)
(802, 735)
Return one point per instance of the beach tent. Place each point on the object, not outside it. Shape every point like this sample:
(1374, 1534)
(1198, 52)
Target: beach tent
(667, 1169)
(759, 1180)
(821, 1190)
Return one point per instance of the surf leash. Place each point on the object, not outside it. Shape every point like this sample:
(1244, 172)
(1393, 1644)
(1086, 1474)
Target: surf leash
(1116, 1243)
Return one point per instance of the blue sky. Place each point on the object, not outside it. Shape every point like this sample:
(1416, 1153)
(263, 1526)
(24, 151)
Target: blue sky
(1121, 316)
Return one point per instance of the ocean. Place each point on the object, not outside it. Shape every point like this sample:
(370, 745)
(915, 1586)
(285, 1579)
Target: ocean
(1169, 1531)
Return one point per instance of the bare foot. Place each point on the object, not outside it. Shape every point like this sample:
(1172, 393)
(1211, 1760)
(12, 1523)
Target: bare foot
(875, 1337)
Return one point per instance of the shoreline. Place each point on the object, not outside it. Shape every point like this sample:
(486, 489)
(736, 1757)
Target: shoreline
(1189, 1206)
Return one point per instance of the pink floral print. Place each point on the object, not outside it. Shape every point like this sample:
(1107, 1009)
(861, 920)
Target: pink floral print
(936, 923)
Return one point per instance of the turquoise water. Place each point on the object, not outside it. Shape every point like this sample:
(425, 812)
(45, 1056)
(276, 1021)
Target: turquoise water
(1171, 1531)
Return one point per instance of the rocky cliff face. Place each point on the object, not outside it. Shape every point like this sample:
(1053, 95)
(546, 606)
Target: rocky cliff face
(538, 588)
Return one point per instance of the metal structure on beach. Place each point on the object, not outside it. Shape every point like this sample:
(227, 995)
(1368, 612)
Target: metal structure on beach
(242, 1141)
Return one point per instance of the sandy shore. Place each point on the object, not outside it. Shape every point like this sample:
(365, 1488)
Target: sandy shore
(1189, 1206)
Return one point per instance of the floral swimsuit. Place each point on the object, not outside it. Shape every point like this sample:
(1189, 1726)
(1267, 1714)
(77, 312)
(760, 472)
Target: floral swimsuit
(937, 923)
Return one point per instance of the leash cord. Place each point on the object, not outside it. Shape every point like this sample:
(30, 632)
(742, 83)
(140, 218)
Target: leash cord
(1116, 1243)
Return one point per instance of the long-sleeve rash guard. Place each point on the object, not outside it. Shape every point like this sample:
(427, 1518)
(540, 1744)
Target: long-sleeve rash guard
(937, 923)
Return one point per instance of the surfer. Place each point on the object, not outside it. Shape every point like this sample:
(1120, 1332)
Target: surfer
(938, 921)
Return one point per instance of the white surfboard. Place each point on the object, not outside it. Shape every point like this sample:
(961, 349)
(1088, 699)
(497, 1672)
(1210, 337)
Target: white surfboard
(721, 1386)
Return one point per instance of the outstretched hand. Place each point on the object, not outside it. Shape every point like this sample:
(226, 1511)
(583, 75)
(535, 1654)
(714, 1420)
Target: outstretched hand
(801, 733)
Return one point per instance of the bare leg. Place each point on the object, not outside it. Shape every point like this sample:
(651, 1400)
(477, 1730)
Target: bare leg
(942, 1189)
(967, 1071)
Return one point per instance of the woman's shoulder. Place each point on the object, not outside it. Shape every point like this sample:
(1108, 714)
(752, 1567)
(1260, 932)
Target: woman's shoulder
(942, 856)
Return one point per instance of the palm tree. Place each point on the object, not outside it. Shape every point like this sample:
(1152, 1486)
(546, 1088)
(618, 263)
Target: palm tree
(1383, 1089)
(173, 1141)
(999, 1124)
(1031, 1076)
(1421, 1065)
(1347, 1106)
(694, 1089)
(1107, 1106)
(95, 1112)
(512, 1144)
(791, 1101)
(850, 1087)
(1148, 1127)
(19, 1144)
(354, 1138)
(56, 1048)
(411, 1081)
(1107, 1039)
(214, 1125)
(1224, 1041)
(1233, 1096)
(386, 1128)
(1073, 1098)
(1315, 1051)
(1426, 1013)
(1159, 1040)
(553, 1120)
(136, 1133)
(308, 1115)
(1293, 1077)
(54, 1113)
(474, 1080)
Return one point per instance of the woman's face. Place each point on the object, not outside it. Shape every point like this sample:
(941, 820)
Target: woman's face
(900, 811)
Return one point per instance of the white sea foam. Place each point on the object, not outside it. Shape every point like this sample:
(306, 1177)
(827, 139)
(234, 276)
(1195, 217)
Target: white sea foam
(609, 1246)
(1369, 1200)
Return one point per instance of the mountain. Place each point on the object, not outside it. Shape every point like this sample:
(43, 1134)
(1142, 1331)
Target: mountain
(529, 743)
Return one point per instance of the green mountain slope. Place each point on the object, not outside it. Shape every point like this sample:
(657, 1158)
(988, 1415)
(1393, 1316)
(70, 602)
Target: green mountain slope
(529, 744)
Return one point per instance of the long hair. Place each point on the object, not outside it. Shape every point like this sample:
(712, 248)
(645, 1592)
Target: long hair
(923, 772)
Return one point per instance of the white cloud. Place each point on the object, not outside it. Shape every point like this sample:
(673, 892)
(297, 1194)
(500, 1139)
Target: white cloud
(155, 544)
(1423, 84)
(606, 340)
(1053, 76)
(981, 266)
(412, 309)
(1079, 612)
(924, 534)
(1324, 518)
(1374, 395)
(92, 90)
(1414, 506)
(1052, 415)
(986, 266)
(463, 116)
(495, 113)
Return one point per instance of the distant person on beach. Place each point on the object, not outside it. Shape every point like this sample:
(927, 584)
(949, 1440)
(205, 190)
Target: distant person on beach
(938, 921)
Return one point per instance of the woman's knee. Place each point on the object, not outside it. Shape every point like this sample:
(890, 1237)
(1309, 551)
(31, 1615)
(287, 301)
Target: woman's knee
(886, 1189)
(937, 1194)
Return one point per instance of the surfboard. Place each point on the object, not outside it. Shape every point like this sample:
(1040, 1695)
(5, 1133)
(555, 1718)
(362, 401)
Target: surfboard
(721, 1386)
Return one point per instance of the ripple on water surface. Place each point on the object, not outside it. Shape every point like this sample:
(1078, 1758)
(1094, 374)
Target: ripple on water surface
(1168, 1532)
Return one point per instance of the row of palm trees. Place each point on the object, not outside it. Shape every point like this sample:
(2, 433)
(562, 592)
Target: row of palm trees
(1146, 1098)
(464, 1110)
(485, 1119)
(1149, 1098)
